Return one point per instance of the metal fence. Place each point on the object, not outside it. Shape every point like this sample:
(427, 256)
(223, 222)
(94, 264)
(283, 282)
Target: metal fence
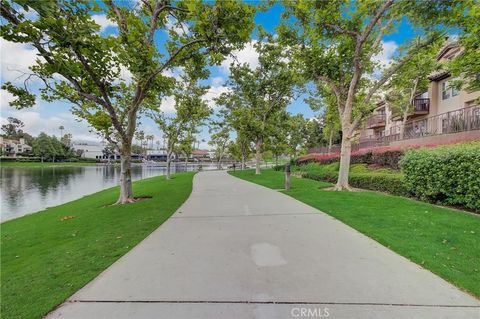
(461, 120)
(466, 119)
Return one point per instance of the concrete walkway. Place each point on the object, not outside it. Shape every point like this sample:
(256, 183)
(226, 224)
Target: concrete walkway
(238, 250)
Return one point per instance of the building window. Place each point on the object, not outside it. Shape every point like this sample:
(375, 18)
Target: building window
(449, 90)
(445, 91)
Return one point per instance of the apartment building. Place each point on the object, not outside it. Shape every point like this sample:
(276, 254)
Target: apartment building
(440, 115)
(13, 147)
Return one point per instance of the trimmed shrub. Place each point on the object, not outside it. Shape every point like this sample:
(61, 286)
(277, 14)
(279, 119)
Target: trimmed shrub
(448, 175)
(381, 156)
(20, 159)
(279, 168)
(389, 183)
(383, 180)
(29, 159)
(88, 160)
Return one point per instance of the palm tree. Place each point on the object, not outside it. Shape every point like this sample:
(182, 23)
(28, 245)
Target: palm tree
(150, 138)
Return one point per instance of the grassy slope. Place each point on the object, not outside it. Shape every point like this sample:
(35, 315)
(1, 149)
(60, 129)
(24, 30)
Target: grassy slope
(442, 240)
(44, 164)
(45, 260)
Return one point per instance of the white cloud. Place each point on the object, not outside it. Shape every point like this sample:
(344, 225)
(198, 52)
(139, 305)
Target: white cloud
(218, 80)
(175, 26)
(168, 104)
(103, 21)
(247, 55)
(36, 121)
(125, 75)
(216, 89)
(176, 72)
(385, 57)
(15, 58)
(5, 98)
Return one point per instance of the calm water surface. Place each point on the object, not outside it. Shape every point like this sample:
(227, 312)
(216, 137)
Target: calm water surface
(26, 190)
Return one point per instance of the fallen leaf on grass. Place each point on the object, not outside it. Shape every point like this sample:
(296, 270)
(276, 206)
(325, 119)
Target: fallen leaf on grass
(66, 218)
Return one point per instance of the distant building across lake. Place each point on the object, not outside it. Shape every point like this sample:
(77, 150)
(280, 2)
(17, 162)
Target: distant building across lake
(13, 147)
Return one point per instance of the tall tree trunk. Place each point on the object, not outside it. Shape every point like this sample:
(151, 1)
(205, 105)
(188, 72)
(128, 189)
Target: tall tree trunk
(258, 155)
(407, 108)
(169, 155)
(345, 153)
(330, 141)
(276, 159)
(126, 191)
(243, 161)
(186, 162)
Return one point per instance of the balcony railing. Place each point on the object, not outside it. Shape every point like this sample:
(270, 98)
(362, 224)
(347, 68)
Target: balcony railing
(421, 105)
(377, 120)
(461, 120)
(466, 119)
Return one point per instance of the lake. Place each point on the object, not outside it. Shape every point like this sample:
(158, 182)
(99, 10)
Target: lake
(26, 190)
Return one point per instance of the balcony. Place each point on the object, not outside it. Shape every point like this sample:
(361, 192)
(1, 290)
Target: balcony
(377, 120)
(421, 106)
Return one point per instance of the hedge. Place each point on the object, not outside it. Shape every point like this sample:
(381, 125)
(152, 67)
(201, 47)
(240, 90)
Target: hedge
(381, 156)
(20, 159)
(449, 175)
(360, 176)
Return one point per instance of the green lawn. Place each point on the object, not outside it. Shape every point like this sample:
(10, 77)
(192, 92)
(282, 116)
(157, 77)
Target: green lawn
(445, 241)
(44, 260)
(44, 164)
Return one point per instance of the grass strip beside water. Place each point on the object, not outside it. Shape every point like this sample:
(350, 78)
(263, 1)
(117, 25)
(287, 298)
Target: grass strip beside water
(49, 255)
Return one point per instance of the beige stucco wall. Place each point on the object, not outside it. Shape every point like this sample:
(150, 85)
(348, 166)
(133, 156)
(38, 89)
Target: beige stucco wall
(451, 104)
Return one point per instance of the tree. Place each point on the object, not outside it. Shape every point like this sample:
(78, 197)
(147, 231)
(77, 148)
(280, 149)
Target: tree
(410, 80)
(296, 134)
(466, 67)
(276, 142)
(66, 139)
(150, 138)
(190, 111)
(137, 149)
(219, 140)
(79, 64)
(185, 146)
(240, 150)
(237, 117)
(257, 95)
(336, 41)
(43, 147)
(314, 132)
(109, 152)
(13, 129)
(244, 147)
(140, 136)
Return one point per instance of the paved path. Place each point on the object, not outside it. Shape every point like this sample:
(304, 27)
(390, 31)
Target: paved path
(238, 250)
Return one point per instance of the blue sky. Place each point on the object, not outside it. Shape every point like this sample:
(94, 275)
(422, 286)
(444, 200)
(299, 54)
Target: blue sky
(47, 117)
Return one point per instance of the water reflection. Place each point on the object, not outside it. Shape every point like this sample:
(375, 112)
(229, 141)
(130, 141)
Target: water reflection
(28, 189)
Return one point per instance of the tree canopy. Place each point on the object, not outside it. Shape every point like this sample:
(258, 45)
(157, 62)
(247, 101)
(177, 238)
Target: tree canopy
(78, 64)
